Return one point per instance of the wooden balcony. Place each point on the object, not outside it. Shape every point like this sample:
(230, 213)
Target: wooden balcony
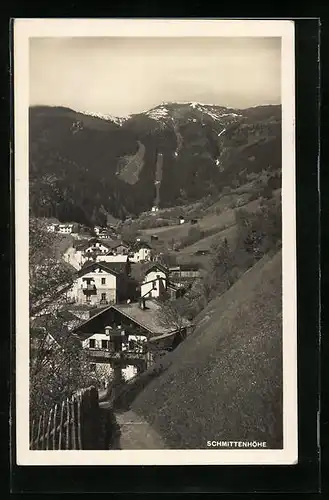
(106, 355)
(89, 288)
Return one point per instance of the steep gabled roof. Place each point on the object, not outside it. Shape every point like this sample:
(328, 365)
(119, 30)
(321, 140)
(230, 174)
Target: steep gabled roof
(150, 318)
(117, 243)
(140, 244)
(92, 241)
(106, 266)
(185, 267)
(118, 267)
(155, 265)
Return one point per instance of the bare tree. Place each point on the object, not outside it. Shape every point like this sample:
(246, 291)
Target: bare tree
(48, 276)
(58, 365)
(172, 316)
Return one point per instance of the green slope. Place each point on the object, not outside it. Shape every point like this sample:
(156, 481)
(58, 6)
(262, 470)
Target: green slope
(225, 381)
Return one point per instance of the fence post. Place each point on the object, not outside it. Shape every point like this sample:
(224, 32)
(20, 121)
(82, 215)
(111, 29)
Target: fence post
(39, 432)
(73, 423)
(79, 418)
(48, 428)
(32, 435)
(60, 437)
(54, 427)
(79, 421)
(43, 444)
(67, 424)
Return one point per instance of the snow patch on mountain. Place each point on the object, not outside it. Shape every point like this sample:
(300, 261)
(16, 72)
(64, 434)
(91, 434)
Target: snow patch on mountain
(158, 113)
(119, 120)
(163, 113)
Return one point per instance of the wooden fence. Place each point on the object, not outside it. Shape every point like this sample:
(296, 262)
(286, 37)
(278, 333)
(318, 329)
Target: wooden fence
(73, 425)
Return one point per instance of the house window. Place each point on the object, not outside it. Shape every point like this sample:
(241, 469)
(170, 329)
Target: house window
(92, 343)
(103, 281)
(132, 345)
(104, 344)
(88, 299)
(154, 285)
(103, 297)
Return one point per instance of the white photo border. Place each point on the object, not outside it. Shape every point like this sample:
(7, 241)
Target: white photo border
(24, 29)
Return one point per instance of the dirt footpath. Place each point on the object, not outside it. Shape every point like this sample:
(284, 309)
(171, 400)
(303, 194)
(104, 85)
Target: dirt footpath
(136, 433)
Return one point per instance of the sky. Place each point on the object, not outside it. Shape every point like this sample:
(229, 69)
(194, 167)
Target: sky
(121, 76)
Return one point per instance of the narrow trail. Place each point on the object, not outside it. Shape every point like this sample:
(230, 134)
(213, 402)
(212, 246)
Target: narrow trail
(136, 433)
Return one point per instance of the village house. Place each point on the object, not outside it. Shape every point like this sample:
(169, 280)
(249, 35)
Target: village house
(104, 234)
(155, 281)
(83, 251)
(101, 283)
(130, 334)
(156, 284)
(184, 273)
(65, 228)
(141, 252)
(117, 251)
(181, 219)
(155, 209)
(75, 254)
(95, 246)
(52, 227)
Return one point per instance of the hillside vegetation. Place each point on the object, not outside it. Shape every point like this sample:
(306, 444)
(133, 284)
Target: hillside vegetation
(83, 167)
(224, 382)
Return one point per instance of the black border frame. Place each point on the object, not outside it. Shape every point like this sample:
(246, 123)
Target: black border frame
(303, 477)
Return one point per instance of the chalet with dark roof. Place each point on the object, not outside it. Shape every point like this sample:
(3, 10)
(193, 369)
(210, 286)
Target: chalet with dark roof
(130, 332)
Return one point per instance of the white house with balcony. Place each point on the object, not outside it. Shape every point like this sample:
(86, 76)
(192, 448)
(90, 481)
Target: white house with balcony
(94, 285)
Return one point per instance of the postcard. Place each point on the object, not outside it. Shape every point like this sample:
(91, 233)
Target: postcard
(154, 166)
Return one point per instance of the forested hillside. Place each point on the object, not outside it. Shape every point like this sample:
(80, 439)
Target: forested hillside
(82, 166)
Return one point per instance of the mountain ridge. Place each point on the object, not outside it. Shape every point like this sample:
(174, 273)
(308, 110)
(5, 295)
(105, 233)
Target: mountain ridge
(77, 158)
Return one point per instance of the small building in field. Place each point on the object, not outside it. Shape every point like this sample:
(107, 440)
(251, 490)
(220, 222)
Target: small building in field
(206, 251)
(155, 209)
(181, 219)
